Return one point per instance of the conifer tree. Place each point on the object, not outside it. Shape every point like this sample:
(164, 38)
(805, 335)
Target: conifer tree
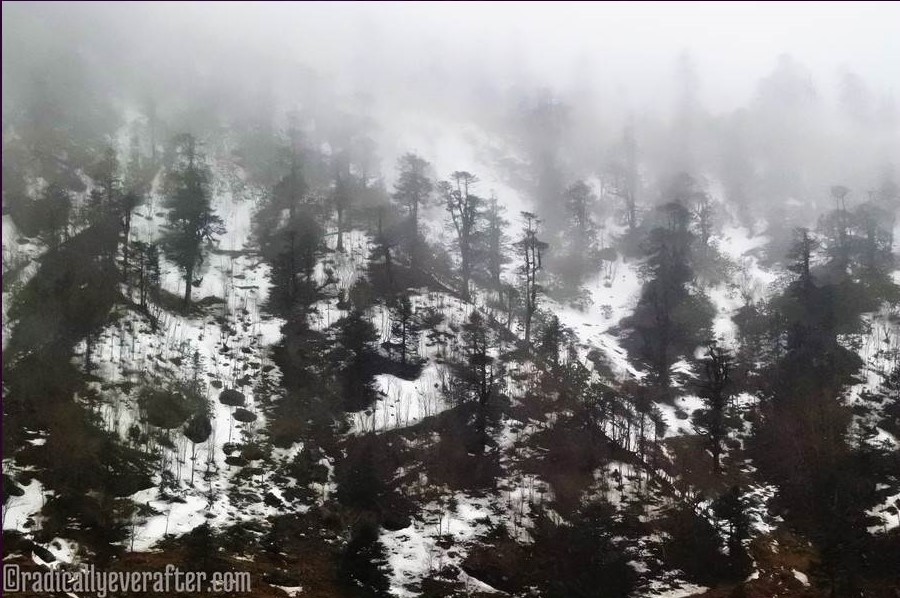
(413, 191)
(671, 318)
(496, 242)
(714, 420)
(531, 249)
(355, 357)
(464, 208)
(405, 330)
(192, 223)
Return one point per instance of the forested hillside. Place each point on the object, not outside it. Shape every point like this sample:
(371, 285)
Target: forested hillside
(499, 338)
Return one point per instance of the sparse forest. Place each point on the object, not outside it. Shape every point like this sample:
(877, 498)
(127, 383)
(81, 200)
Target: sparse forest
(364, 329)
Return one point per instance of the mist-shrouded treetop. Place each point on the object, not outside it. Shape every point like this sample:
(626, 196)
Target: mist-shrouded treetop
(821, 111)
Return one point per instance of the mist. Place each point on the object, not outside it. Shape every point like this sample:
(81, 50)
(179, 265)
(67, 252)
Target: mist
(447, 299)
(451, 79)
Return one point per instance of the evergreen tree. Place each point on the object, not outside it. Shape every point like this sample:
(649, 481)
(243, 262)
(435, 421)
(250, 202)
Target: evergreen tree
(363, 563)
(413, 191)
(104, 206)
(355, 357)
(191, 220)
(146, 256)
(405, 331)
(135, 187)
(496, 242)
(874, 261)
(480, 372)
(108, 180)
(814, 310)
(579, 250)
(670, 320)
(801, 441)
(732, 508)
(837, 228)
(464, 208)
(714, 420)
(551, 341)
(291, 237)
(532, 250)
(55, 206)
(625, 180)
(382, 261)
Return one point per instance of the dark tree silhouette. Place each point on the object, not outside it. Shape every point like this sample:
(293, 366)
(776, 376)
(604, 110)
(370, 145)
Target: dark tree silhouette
(713, 421)
(464, 208)
(531, 249)
(191, 220)
(413, 191)
(670, 320)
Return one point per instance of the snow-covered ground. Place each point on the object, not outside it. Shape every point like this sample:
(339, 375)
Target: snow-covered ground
(613, 296)
(230, 344)
(416, 551)
(403, 402)
(750, 283)
(20, 512)
(20, 256)
(678, 416)
(224, 346)
(420, 549)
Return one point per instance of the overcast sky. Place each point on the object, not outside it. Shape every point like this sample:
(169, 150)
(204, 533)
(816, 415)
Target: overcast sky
(629, 45)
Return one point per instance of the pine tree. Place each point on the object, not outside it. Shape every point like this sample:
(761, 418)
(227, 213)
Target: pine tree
(874, 228)
(801, 256)
(624, 180)
(496, 242)
(714, 420)
(55, 206)
(146, 271)
(355, 356)
(552, 339)
(191, 220)
(480, 371)
(579, 249)
(532, 250)
(464, 208)
(732, 508)
(364, 561)
(135, 188)
(104, 204)
(669, 320)
(388, 237)
(413, 191)
(107, 177)
(405, 330)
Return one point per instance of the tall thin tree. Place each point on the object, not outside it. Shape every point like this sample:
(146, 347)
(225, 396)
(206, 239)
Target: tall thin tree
(191, 219)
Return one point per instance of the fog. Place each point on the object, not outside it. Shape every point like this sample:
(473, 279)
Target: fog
(772, 102)
(453, 299)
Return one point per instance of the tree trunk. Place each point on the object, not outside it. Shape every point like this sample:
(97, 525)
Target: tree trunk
(188, 283)
(340, 230)
(414, 242)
